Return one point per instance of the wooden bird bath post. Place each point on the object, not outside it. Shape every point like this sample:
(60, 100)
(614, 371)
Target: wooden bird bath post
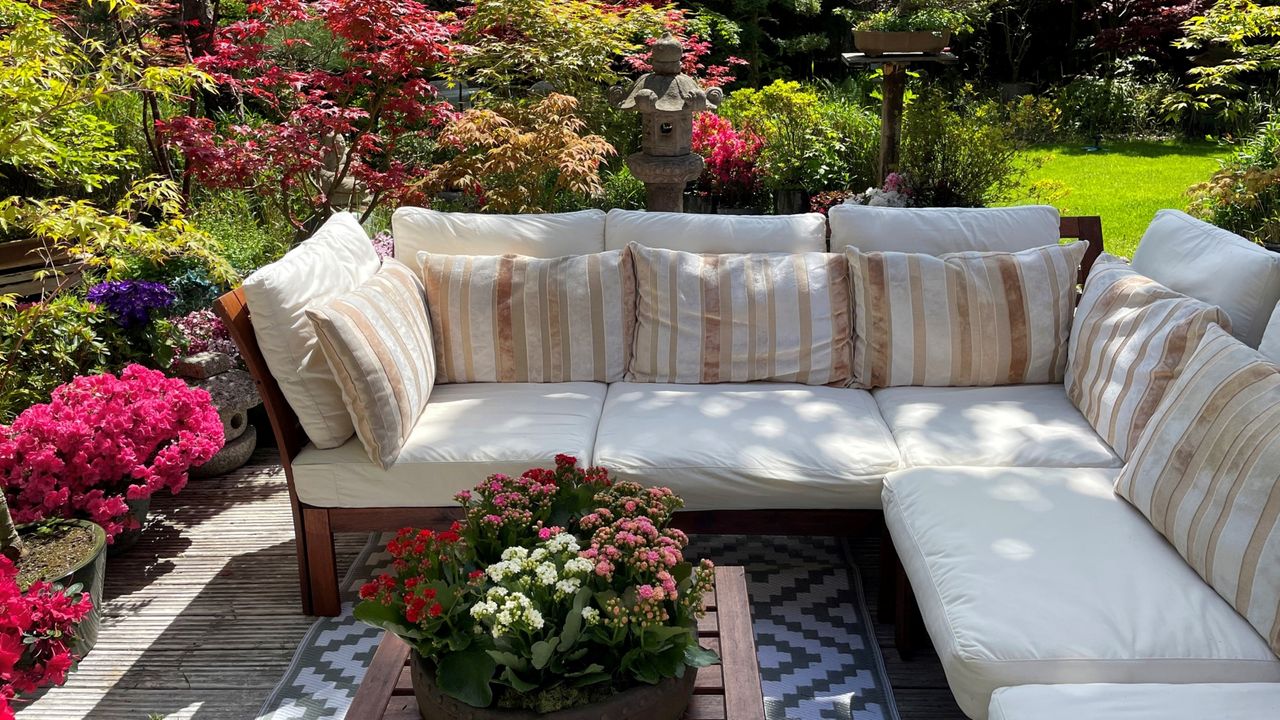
(893, 68)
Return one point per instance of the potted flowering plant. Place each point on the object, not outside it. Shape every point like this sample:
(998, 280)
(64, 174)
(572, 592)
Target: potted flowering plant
(44, 625)
(560, 594)
(914, 26)
(103, 445)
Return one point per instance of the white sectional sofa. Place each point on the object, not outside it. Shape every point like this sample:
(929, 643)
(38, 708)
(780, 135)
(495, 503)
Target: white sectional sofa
(1027, 567)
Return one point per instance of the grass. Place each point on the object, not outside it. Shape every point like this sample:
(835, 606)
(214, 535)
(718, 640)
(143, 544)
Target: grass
(1125, 183)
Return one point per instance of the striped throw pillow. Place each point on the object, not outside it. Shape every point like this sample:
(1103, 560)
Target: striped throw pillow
(511, 318)
(1205, 469)
(740, 317)
(1130, 338)
(962, 319)
(377, 341)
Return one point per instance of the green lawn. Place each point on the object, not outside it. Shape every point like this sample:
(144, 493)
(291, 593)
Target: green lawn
(1125, 182)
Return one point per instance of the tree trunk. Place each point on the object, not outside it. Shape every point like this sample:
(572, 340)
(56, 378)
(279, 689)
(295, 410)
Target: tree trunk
(10, 543)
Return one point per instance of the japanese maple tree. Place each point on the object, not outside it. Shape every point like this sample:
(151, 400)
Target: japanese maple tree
(327, 93)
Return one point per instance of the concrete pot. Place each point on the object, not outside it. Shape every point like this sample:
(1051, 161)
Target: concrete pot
(665, 701)
(878, 42)
(88, 572)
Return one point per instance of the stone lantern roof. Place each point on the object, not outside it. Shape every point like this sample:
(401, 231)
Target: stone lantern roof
(666, 89)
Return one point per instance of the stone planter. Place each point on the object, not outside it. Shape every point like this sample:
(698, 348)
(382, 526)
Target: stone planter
(665, 701)
(234, 393)
(87, 571)
(877, 42)
(790, 202)
(135, 523)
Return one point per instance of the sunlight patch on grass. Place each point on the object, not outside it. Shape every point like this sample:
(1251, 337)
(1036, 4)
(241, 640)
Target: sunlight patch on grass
(1125, 182)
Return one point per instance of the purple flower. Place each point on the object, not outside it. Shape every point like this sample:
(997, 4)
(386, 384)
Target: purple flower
(131, 301)
(383, 245)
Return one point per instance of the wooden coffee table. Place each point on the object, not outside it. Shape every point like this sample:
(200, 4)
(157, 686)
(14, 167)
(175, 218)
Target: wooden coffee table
(728, 691)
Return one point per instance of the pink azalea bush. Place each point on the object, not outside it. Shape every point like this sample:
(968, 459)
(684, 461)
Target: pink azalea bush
(732, 171)
(102, 440)
(558, 586)
(37, 629)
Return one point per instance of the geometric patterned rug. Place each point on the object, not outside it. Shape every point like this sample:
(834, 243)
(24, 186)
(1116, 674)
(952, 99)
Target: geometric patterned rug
(814, 639)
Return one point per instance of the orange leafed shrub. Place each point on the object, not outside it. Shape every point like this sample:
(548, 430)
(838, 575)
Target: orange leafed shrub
(522, 156)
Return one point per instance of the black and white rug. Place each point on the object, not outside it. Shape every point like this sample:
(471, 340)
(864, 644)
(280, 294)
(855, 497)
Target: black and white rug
(818, 656)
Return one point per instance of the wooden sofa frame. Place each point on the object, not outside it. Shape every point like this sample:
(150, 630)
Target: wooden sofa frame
(314, 527)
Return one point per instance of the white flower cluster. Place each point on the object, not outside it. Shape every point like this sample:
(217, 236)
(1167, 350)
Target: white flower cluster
(505, 611)
(522, 575)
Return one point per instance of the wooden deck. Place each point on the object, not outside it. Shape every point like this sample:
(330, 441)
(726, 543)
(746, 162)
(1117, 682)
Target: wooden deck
(201, 617)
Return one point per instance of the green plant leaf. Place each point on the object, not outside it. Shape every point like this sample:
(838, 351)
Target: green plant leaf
(542, 652)
(697, 656)
(510, 678)
(466, 676)
(509, 659)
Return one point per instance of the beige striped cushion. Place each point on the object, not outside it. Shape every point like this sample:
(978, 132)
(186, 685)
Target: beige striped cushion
(1130, 338)
(512, 318)
(1206, 473)
(740, 317)
(962, 319)
(377, 341)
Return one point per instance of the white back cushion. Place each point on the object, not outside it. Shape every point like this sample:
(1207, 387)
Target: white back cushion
(716, 234)
(536, 235)
(1270, 347)
(935, 231)
(1214, 266)
(337, 259)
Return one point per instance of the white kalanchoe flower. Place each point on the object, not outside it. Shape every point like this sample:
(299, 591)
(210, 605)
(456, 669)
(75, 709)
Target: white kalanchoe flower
(547, 574)
(515, 553)
(578, 566)
(568, 586)
(538, 554)
(591, 615)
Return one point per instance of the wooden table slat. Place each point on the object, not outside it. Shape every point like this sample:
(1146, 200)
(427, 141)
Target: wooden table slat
(380, 679)
(743, 697)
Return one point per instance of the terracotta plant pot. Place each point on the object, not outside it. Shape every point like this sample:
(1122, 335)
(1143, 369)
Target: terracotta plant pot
(877, 42)
(665, 701)
(137, 521)
(88, 571)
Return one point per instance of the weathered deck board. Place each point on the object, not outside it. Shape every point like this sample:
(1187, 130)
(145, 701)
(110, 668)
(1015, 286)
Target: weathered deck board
(201, 617)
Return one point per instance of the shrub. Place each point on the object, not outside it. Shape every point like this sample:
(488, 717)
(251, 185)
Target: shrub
(957, 152)
(732, 173)
(101, 440)
(244, 231)
(812, 141)
(622, 190)
(1033, 120)
(1244, 195)
(46, 344)
(1094, 107)
(521, 156)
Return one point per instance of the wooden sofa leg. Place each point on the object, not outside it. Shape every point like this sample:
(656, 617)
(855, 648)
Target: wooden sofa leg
(907, 614)
(889, 569)
(322, 567)
(300, 544)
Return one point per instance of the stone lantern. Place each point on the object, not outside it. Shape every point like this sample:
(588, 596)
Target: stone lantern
(666, 100)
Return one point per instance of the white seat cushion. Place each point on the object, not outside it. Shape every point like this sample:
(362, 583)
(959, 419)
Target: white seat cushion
(1214, 266)
(716, 233)
(748, 446)
(541, 235)
(1045, 575)
(1199, 701)
(1013, 425)
(467, 432)
(935, 231)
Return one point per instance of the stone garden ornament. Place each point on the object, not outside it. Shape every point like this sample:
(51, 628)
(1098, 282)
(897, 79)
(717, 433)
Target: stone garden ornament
(666, 100)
